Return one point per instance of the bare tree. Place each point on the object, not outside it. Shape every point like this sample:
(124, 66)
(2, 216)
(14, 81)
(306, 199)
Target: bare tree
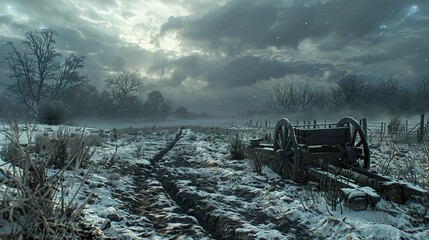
(156, 106)
(305, 96)
(387, 93)
(321, 99)
(283, 98)
(124, 85)
(349, 89)
(37, 73)
(422, 94)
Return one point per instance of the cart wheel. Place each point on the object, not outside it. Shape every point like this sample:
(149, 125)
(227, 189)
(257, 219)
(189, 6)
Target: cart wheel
(358, 141)
(285, 149)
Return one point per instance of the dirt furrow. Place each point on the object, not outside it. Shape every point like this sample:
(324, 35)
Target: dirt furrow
(179, 201)
(151, 200)
(220, 212)
(217, 223)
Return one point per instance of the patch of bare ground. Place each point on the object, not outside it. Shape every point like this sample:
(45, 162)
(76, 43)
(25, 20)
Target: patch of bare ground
(151, 200)
(178, 199)
(221, 211)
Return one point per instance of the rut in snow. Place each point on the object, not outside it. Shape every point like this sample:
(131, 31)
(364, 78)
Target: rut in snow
(201, 197)
(152, 201)
(177, 209)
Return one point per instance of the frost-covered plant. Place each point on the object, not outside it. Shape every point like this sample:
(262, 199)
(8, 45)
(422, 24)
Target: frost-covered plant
(331, 191)
(386, 166)
(309, 197)
(236, 148)
(396, 129)
(408, 169)
(36, 205)
(394, 125)
(65, 147)
(257, 160)
(14, 152)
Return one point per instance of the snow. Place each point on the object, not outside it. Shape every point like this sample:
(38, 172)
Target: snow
(127, 204)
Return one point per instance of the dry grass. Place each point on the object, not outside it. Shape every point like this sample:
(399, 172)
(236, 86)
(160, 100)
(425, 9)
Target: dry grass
(66, 147)
(236, 148)
(331, 191)
(257, 161)
(35, 204)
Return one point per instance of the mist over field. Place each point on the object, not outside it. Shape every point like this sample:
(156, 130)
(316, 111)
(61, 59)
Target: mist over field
(140, 60)
(164, 119)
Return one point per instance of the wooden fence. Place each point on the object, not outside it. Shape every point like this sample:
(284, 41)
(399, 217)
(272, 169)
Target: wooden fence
(395, 129)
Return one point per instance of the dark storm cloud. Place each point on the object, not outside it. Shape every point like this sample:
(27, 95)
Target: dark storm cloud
(236, 72)
(247, 70)
(193, 66)
(374, 38)
(367, 59)
(277, 23)
(224, 51)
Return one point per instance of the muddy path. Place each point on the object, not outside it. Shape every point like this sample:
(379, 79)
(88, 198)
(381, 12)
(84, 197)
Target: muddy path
(150, 200)
(204, 188)
(189, 190)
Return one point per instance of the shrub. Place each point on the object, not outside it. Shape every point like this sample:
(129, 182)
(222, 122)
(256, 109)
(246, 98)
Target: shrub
(394, 125)
(13, 152)
(52, 113)
(236, 148)
(257, 160)
(64, 148)
(331, 191)
(35, 205)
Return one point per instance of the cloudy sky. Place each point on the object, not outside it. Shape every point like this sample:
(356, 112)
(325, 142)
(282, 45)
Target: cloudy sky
(223, 56)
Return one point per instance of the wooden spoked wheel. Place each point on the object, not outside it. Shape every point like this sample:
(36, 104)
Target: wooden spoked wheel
(358, 140)
(286, 158)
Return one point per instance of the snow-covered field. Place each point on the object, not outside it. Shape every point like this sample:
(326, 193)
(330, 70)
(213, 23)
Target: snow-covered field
(153, 183)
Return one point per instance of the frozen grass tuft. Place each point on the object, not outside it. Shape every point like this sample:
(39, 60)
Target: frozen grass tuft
(236, 148)
(35, 204)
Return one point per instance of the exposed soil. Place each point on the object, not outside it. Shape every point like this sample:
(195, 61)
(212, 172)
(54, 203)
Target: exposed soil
(178, 203)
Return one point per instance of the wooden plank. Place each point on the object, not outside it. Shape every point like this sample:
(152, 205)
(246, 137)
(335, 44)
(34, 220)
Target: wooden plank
(407, 188)
(264, 150)
(345, 183)
(328, 136)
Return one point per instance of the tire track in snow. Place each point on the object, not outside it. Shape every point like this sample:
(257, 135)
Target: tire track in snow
(152, 201)
(217, 223)
(219, 212)
(179, 205)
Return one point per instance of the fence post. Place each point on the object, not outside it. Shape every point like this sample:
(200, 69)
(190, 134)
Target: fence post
(364, 126)
(406, 126)
(422, 128)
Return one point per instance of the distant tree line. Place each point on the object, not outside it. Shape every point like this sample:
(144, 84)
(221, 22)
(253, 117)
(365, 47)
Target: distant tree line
(48, 87)
(352, 91)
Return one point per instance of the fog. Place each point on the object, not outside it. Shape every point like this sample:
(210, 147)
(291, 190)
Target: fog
(224, 59)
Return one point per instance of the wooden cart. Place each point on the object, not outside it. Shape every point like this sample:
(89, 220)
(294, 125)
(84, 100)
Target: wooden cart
(337, 151)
